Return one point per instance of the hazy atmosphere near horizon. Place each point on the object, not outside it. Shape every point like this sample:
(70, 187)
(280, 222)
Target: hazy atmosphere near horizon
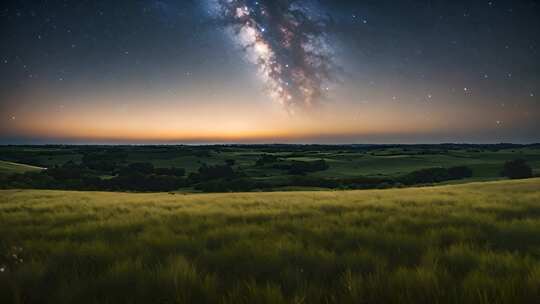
(306, 71)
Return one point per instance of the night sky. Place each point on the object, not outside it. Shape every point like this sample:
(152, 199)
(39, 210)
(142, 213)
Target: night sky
(291, 71)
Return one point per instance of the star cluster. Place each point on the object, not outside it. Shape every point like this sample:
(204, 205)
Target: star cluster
(286, 41)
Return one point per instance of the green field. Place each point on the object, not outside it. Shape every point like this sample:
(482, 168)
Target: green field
(473, 243)
(9, 168)
(344, 161)
(243, 168)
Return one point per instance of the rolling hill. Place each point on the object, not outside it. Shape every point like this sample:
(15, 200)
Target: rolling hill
(472, 243)
(11, 167)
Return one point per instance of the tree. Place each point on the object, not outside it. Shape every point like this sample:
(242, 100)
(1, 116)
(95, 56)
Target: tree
(460, 172)
(173, 171)
(143, 168)
(426, 176)
(206, 173)
(516, 169)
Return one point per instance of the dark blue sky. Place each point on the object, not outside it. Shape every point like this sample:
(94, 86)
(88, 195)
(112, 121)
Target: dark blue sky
(402, 71)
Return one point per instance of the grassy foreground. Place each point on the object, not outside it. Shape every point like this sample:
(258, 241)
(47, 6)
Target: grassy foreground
(474, 243)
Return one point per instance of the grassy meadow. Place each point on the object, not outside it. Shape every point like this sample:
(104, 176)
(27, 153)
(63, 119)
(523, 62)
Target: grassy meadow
(473, 243)
(10, 167)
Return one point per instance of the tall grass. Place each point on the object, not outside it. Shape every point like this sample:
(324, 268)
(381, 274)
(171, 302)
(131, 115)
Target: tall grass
(476, 243)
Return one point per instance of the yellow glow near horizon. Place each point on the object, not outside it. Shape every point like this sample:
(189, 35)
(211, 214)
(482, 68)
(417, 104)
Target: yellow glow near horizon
(134, 118)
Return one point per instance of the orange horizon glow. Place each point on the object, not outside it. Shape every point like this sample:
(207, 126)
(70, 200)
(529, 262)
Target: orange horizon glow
(131, 117)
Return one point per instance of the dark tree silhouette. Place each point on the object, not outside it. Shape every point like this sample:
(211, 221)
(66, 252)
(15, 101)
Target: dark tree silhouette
(516, 169)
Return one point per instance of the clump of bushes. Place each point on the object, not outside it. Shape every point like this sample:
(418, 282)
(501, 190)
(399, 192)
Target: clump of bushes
(266, 159)
(72, 176)
(460, 172)
(221, 178)
(436, 175)
(516, 169)
(208, 173)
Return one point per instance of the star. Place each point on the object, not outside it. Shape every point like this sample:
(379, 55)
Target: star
(104, 46)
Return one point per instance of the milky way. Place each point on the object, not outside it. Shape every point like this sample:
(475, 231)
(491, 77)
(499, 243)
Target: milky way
(286, 40)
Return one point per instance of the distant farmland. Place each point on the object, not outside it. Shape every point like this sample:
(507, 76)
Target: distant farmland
(244, 168)
(474, 243)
